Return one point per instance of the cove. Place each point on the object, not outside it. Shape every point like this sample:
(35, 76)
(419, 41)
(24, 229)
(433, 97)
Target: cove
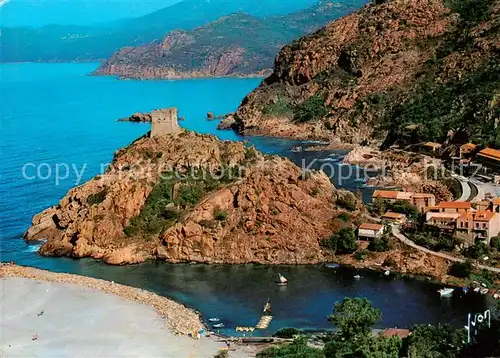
(55, 113)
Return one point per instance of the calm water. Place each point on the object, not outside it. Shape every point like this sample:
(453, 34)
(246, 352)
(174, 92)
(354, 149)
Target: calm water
(55, 113)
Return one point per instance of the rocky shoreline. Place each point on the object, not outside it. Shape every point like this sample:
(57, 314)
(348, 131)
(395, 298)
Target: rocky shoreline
(178, 318)
(128, 72)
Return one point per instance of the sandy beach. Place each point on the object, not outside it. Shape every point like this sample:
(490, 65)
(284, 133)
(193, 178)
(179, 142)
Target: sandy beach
(45, 314)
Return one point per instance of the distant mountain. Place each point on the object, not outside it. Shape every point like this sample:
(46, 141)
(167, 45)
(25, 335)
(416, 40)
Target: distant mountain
(238, 44)
(58, 43)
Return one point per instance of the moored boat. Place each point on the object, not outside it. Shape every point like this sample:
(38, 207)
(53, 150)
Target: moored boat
(214, 319)
(282, 280)
(446, 292)
(332, 266)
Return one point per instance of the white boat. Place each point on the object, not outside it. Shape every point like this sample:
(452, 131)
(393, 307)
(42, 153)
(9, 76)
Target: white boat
(387, 273)
(446, 292)
(477, 289)
(214, 319)
(332, 266)
(484, 291)
(283, 280)
(357, 277)
(496, 296)
(218, 325)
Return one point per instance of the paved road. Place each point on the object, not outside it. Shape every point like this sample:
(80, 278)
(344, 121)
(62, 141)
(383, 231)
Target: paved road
(406, 241)
(466, 192)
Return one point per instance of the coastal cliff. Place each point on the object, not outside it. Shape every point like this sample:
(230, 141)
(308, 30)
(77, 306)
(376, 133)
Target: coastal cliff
(235, 45)
(429, 65)
(191, 197)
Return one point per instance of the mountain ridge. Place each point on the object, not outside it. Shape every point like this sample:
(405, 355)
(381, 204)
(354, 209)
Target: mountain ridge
(237, 44)
(393, 64)
(90, 43)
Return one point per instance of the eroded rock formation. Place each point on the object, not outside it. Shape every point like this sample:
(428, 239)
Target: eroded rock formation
(270, 213)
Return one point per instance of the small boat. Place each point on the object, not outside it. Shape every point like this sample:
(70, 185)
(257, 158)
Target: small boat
(218, 325)
(477, 289)
(446, 292)
(214, 319)
(484, 291)
(332, 266)
(282, 280)
(496, 296)
(387, 273)
(465, 290)
(357, 277)
(297, 149)
(267, 307)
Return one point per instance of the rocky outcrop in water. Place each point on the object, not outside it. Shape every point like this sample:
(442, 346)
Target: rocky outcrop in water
(191, 197)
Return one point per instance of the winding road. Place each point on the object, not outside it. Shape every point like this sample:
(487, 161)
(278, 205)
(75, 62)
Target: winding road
(406, 241)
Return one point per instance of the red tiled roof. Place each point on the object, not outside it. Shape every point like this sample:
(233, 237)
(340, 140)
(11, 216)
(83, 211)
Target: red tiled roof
(455, 205)
(368, 226)
(392, 215)
(391, 332)
(387, 194)
(468, 147)
(490, 153)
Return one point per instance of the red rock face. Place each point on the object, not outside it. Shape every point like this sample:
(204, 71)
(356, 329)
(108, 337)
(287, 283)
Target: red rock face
(378, 49)
(271, 215)
(272, 218)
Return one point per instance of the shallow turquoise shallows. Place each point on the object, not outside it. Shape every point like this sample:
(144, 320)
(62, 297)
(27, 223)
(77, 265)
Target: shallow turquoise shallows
(54, 114)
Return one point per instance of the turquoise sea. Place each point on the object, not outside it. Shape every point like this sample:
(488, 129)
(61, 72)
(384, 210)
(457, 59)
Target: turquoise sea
(54, 115)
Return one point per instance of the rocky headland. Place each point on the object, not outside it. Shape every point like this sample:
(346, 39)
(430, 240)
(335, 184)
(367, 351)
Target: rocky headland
(396, 70)
(191, 197)
(237, 45)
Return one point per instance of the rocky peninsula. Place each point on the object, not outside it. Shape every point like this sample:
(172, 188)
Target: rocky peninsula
(190, 197)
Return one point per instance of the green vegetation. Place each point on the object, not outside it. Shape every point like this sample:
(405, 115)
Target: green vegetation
(463, 105)
(297, 349)
(342, 242)
(471, 11)
(461, 269)
(311, 109)
(220, 214)
(97, 198)
(347, 202)
(354, 318)
(495, 243)
(353, 338)
(380, 206)
(434, 240)
(279, 108)
(380, 244)
(164, 205)
(345, 217)
(361, 255)
(476, 251)
(427, 341)
(287, 332)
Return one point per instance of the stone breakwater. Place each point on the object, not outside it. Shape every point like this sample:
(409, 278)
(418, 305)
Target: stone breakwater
(178, 318)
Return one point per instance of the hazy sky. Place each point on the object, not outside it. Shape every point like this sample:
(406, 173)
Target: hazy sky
(79, 12)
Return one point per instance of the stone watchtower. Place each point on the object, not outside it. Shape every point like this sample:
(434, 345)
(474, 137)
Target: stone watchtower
(164, 121)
